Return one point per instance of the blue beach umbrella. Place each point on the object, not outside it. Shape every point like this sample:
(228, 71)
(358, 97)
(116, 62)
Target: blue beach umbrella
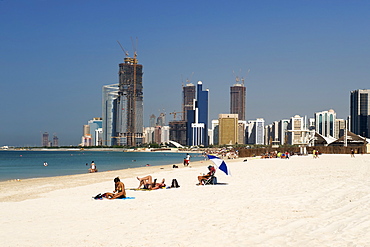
(220, 163)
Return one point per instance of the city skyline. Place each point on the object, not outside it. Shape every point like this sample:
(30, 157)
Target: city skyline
(304, 57)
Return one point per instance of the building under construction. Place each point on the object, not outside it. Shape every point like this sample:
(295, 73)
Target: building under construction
(129, 104)
(237, 100)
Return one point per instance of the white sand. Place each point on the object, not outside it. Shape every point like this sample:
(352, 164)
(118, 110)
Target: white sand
(297, 202)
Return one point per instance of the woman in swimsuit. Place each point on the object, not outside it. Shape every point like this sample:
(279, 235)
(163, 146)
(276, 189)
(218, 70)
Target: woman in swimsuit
(119, 190)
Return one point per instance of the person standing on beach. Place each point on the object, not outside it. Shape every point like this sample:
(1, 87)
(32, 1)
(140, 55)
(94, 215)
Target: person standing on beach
(187, 160)
(352, 153)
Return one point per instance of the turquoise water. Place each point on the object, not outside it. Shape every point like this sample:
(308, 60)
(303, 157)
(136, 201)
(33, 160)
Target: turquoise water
(30, 164)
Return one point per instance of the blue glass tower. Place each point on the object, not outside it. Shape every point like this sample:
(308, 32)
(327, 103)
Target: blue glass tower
(197, 125)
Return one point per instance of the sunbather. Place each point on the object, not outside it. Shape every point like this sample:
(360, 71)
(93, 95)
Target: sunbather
(158, 185)
(119, 190)
(148, 183)
(211, 172)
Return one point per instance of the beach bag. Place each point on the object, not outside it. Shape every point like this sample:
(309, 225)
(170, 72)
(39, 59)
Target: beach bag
(98, 196)
(174, 184)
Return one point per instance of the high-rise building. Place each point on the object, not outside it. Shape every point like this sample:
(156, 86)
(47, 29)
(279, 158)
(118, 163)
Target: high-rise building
(360, 112)
(161, 120)
(340, 126)
(197, 119)
(123, 106)
(188, 96)
(228, 129)
(325, 123)
(237, 100)
(255, 131)
(152, 122)
(296, 130)
(55, 141)
(129, 106)
(110, 95)
(178, 131)
(45, 139)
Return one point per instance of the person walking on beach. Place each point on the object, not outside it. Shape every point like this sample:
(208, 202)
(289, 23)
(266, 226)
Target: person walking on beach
(352, 153)
(119, 190)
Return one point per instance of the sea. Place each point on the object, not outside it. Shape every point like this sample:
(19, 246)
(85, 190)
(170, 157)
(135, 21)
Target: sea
(30, 164)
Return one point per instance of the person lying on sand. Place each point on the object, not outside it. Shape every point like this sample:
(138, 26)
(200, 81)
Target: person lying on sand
(158, 185)
(119, 190)
(148, 183)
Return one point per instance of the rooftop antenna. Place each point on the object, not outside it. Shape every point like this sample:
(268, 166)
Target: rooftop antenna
(126, 53)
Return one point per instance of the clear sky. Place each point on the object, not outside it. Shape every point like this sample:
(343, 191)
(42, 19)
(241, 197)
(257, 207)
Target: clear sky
(55, 56)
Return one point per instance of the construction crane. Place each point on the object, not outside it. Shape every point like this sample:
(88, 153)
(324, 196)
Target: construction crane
(175, 113)
(243, 79)
(124, 51)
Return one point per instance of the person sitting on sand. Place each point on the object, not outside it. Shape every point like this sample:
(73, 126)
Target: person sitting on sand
(93, 167)
(211, 172)
(119, 190)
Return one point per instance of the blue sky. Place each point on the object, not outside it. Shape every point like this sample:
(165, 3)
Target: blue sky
(55, 56)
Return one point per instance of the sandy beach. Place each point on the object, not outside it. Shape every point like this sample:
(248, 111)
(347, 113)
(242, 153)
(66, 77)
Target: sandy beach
(266, 202)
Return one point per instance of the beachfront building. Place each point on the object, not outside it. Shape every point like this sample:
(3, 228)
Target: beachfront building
(45, 139)
(283, 131)
(123, 106)
(360, 112)
(96, 125)
(110, 95)
(197, 119)
(325, 123)
(237, 100)
(228, 129)
(340, 126)
(241, 131)
(188, 96)
(177, 131)
(129, 104)
(297, 130)
(214, 138)
(55, 141)
(148, 135)
(255, 132)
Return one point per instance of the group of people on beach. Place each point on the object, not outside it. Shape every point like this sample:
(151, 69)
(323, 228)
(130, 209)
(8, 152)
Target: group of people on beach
(147, 183)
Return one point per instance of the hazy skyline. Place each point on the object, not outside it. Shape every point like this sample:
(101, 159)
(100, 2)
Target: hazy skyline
(303, 56)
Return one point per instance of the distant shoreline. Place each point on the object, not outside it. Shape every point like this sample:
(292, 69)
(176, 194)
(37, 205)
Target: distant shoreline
(103, 149)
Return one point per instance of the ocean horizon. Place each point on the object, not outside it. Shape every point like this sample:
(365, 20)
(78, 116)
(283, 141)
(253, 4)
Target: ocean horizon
(30, 164)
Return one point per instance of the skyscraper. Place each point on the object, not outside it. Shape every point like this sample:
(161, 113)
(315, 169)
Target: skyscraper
(237, 100)
(197, 119)
(228, 129)
(129, 104)
(188, 96)
(45, 139)
(325, 123)
(360, 112)
(110, 95)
